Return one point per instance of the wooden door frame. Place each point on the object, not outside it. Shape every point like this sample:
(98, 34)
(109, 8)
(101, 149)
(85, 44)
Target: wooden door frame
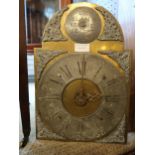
(64, 3)
(23, 77)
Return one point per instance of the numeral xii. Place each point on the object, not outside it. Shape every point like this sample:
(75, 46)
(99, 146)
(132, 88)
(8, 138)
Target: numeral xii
(82, 66)
(66, 71)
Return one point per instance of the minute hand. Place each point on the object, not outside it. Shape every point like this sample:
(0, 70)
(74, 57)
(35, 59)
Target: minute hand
(83, 70)
(108, 98)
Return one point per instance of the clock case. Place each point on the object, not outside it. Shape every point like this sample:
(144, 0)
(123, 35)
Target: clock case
(56, 42)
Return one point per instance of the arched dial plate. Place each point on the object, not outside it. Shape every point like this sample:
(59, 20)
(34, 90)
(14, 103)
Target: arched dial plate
(83, 24)
(81, 96)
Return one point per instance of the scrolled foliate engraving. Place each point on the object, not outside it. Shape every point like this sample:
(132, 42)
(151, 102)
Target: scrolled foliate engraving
(43, 57)
(122, 58)
(52, 30)
(112, 30)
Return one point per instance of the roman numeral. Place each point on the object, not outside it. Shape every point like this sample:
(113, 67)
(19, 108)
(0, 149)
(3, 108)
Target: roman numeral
(56, 81)
(82, 66)
(80, 127)
(66, 71)
(67, 126)
(51, 97)
(110, 83)
(97, 72)
(112, 98)
(108, 114)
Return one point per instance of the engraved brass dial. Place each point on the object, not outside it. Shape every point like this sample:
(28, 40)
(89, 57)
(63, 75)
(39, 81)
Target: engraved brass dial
(81, 102)
(82, 96)
(83, 25)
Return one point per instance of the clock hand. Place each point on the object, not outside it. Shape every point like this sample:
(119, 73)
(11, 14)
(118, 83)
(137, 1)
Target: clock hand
(95, 97)
(108, 98)
(83, 72)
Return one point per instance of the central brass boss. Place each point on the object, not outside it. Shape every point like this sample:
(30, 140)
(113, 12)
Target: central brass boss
(84, 99)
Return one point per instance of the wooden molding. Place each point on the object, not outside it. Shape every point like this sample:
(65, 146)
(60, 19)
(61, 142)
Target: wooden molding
(30, 47)
(23, 77)
(64, 3)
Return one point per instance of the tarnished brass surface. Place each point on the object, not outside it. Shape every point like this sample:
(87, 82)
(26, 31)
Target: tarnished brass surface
(81, 97)
(108, 94)
(95, 46)
(52, 31)
(106, 40)
(122, 58)
(112, 30)
(44, 59)
(83, 25)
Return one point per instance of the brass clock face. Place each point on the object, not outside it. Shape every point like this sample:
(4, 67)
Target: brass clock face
(82, 96)
(83, 25)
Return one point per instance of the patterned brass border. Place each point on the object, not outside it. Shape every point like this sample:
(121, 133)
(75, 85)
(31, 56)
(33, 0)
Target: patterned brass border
(52, 30)
(122, 58)
(112, 30)
(42, 57)
(118, 135)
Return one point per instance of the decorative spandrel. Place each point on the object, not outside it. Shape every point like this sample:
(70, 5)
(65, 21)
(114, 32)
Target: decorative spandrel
(43, 57)
(123, 59)
(112, 30)
(52, 30)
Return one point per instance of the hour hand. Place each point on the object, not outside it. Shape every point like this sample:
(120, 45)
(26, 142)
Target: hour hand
(94, 97)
